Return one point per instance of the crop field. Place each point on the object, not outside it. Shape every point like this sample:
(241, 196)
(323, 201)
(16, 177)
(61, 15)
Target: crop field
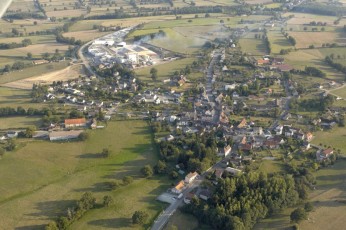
(32, 71)
(164, 70)
(18, 122)
(23, 6)
(15, 97)
(305, 39)
(251, 45)
(278, 42)
(54, 175)
(65, 13)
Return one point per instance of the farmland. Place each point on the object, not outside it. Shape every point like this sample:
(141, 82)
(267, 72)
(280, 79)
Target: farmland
(54, 175)
(15, 97)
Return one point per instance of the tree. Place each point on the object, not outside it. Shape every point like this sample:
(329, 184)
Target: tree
(52, 226)
(147, 171)
(153, 72)
(298, 215)
(173, 175)
(107, 201)
(29, 55)
(87, 201)
(45, 56)
(29, 132)
(160, 167)
(308, 207)
(106, 153)
(139, 217)
(83, 136)
(127, 180)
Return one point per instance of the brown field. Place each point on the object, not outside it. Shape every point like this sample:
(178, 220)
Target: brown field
(305, 39)
(68, 73)
(86, 35)
(37, 49)
(301, 18)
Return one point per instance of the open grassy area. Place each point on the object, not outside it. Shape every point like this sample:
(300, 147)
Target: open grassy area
(312, 57)
(164, 70)
(16, 97)
(278, 41)
(252, 46)
(334, 138)
(33, 71)
(182, 221)
(54, 175)
(329, 199)
(18, 122)
(305, 39)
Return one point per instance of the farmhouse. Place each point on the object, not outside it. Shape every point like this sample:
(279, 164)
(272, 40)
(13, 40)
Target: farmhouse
(71, 123)
(64, 135)
(191, 177)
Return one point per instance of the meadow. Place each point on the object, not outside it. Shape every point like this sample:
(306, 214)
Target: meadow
(18, 122)
(334, 138)
(252, 46)
(278, 41)
(54, 175)
(16, 97)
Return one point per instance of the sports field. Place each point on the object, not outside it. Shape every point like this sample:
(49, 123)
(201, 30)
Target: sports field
(54, 175)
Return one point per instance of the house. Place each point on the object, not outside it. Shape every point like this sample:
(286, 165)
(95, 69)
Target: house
(179, 187)
(64, 135)
(190, 177)
(225, 151)
(39, 62)
(78, 122)
(271, 144)
(262, 62)
(188, 198)
(233, 171)
(324, 154)
(218, 173)
(306, 145)
(309, 136)
(12, 134)
(205, 194)
(219, 98)
(223, 118)
(257, 130)
(242, 124)
(278, 130)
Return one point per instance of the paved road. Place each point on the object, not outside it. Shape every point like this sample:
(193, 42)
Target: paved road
(84, 60)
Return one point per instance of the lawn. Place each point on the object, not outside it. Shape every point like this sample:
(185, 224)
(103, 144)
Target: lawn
(54, 175)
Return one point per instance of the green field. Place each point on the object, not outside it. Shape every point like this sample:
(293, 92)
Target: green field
(278, 42)
(252, 46)
(32, 71)
(164, 70)
(53, 175)
(16, 97)
(334, 138)
(18, 122)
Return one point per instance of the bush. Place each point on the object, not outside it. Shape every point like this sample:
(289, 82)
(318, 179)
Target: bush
(127, 180)
(298, 215)
(147, 171)
(139, 217)
(83, 136)
(308, 207)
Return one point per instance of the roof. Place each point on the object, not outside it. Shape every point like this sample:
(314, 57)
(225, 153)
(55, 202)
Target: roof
(262, 61)
(180, 185)
(65, 133)
(190, 175)
(327, 151)
(75, 121)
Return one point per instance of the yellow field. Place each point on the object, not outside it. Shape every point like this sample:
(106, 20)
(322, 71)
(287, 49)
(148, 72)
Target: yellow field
(36, 50)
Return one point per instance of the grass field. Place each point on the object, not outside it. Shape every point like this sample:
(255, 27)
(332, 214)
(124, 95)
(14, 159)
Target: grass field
(18, 122)
(312, 57)
(164, 70)
(334, 138)
(304, 18)
(329, 199)
(278, 42)
(305, 39)
(32, 71)
(54, 175)
(252, 46)
(16, 97)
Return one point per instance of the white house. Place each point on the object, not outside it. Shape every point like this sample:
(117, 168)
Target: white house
(190, 177)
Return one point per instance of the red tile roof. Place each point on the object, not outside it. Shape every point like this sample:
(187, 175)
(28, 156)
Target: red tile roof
(75, 121)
